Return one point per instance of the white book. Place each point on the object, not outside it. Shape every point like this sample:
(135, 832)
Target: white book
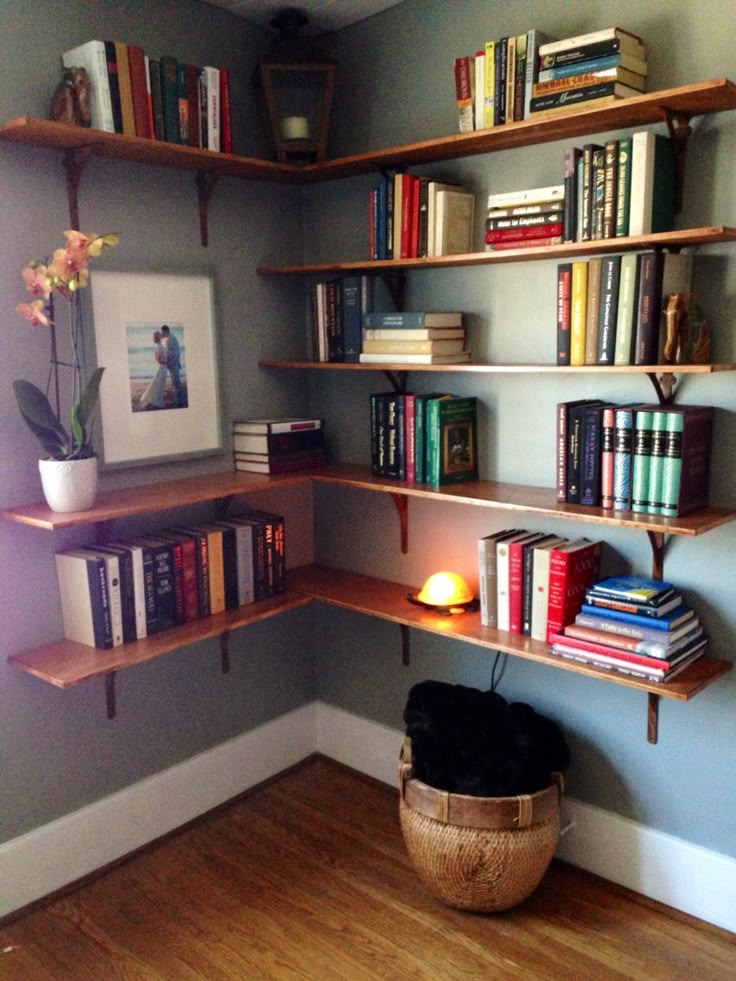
(479, 92)
(459, 358)
(432, 190)
(76, 574)
(282, 424)
(487, 573)
(627, 38)
(454, 218)
(532, 195)
(139, 586)
(502, 579)
(413, 333)
(92, 57)
(540, 588)
(212, 80)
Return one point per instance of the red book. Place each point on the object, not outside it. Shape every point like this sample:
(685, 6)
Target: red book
(607, 433)
(139, 87)
(564, 312)
(407, 194)
(516, 579)
(573, 568)
(226, 125)
(528, 243)
(414, 218)
(464, 81)
(541, 232)
(410, 435)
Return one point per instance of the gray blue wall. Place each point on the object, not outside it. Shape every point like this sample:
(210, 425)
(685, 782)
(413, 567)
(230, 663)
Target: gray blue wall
(57, 750)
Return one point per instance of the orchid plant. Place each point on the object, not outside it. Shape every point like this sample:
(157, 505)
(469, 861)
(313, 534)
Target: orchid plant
(63, 276)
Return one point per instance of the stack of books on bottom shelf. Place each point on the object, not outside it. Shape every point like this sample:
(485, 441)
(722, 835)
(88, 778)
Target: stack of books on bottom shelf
(126, 590)
(278, 445)
(418, 337)
(636, 626)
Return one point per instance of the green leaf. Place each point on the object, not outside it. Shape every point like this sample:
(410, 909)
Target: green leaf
(36, 408)
(86, 405)
(49, 439)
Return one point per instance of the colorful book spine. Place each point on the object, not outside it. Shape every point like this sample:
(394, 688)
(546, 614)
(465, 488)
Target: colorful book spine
(608, 314)
(642, 456)
(623, 188)
(672, 463)
(608, 426)
(564, 297)
(579, 302)
(622, 459)
(656, 463)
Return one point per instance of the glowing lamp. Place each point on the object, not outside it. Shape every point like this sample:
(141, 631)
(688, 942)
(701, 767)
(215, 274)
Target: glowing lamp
(445, 592)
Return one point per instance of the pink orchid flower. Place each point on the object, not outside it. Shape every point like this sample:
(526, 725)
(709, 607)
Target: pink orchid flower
(37, 281)
(35, 312)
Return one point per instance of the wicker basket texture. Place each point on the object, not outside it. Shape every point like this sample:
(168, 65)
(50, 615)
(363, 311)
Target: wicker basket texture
(478, 853)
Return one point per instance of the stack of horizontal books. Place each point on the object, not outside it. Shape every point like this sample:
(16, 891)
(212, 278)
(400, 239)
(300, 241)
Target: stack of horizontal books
(594, 68)
(278, 445)
(636, 626)
(528, 218)
(413, 338)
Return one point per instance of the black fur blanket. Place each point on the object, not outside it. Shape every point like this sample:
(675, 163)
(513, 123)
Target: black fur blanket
(474, 742)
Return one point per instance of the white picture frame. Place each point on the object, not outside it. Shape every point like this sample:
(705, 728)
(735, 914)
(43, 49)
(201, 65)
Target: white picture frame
(146, 416)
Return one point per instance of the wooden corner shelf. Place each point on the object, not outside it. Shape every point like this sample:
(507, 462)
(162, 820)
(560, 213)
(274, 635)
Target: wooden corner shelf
(388, 601)
(659, 240)
(496, 368)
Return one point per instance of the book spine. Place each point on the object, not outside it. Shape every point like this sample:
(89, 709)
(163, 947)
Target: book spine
(672, 463)
(570, 575)
(190, 589)
(177, 566)
(410, 437)
(352, 317)
(230, 567)
(479, 92)
(590, 464)
(170, 98)
(608, 311)
(622, 461)
(574, 451)
(516, 587)
(114, 82)
(499, 97)
(642, 455)
(623, 187)
(562, 439)
(589, 70)
(139, 89)
(226, 123)
(656, 463)
(157, 104)
(420, 440)
(484, 552)
(527, 593)
(573, 97)
(646, 345)
(580, 53)
(578, 311)
(610, 188)
(432, 442)
(564, 310)
(99, 603)
(607, 457)
(627, 299)
(183, 102)
(503, 571)
(464, 80)
(93, 58)
(393, 462)
(127, 112)
(571, 155)
(520, 77)
(165, 586)
(588, 186)
(599, 189)
(592, 312)
(217, 572)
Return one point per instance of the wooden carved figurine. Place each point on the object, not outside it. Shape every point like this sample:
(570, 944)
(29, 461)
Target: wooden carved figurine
(70, 101)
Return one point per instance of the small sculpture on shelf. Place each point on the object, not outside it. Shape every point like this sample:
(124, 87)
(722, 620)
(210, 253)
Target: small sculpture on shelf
(686, 333)
(70, 102)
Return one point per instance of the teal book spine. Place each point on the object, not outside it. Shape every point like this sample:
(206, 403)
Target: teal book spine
(623, 187)
(642, 459)
(672, 464)
(656, 462)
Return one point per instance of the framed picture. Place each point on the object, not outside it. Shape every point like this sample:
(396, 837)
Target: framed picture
(155, 337)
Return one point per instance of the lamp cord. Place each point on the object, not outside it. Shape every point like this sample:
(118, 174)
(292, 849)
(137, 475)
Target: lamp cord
(499, 664)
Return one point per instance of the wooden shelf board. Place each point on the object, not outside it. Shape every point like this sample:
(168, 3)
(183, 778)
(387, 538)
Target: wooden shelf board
(153, 497)
(388, 601)
(489, 367)
(701, 98)
(68, 663)
(60, 136)
(519, 497)
(659, 240)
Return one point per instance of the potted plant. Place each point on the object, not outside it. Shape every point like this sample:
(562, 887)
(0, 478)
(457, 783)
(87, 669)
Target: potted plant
(69, 467)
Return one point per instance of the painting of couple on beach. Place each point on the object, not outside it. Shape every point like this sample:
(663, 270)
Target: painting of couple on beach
(156, 367)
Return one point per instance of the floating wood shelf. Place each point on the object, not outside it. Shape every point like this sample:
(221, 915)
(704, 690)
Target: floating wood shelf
(388, 601)
(494, 368)
(660, 240)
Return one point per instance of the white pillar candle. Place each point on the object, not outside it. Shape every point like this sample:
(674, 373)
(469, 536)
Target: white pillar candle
(295, 128)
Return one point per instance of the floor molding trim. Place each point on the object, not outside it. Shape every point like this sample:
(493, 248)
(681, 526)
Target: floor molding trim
(48, 858)
(668, 869)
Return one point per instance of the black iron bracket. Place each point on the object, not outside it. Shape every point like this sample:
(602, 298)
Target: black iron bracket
(206, 181)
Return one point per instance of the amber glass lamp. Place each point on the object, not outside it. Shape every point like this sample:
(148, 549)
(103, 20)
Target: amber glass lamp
(296, 82)
(445, 592)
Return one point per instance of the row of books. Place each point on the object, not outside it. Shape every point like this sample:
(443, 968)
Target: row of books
(125, 590)
(640, 627)
(623, 187)
(508, 79)
(280, 445)
(337, 310)
(647, 458)
(611, 309)
(412, 217)
(532, 583)
(528, 218)
(413, 337)
(593, 68)
(424, 438)
(160, 99)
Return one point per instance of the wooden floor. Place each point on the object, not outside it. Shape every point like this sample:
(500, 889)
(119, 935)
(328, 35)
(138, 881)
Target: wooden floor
(307, 877)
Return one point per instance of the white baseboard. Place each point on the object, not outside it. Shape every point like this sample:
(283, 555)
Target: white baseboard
(50, 857)
(673, 871)
(668, 869)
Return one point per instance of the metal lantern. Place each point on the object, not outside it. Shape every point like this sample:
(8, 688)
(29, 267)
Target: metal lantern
(297, 82)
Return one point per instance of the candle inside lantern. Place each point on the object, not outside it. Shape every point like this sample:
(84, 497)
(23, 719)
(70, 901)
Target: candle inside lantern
(295, 128)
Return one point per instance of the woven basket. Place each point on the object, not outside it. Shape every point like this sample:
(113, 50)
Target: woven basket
(478, 853)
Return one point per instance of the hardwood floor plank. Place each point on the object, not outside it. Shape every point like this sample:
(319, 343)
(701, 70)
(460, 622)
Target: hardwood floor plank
(307, 877)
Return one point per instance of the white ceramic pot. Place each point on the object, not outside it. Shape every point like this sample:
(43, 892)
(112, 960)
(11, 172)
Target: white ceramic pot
(69, 485)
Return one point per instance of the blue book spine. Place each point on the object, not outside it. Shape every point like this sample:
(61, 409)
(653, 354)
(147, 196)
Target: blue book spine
(622, 469)
(590, 467)
(381, 204)
(580, 67)
(351, 317)
(664, 623)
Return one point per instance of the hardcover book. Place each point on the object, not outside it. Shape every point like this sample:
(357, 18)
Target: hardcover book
(608, 310)
(652, 198)
(649, 284)
(92, 56)
(564, 310)
(420, 318)
(488, 575)
(84, 600)
(573, 568)
(686, 461)
(455, 213)
(452, 440)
